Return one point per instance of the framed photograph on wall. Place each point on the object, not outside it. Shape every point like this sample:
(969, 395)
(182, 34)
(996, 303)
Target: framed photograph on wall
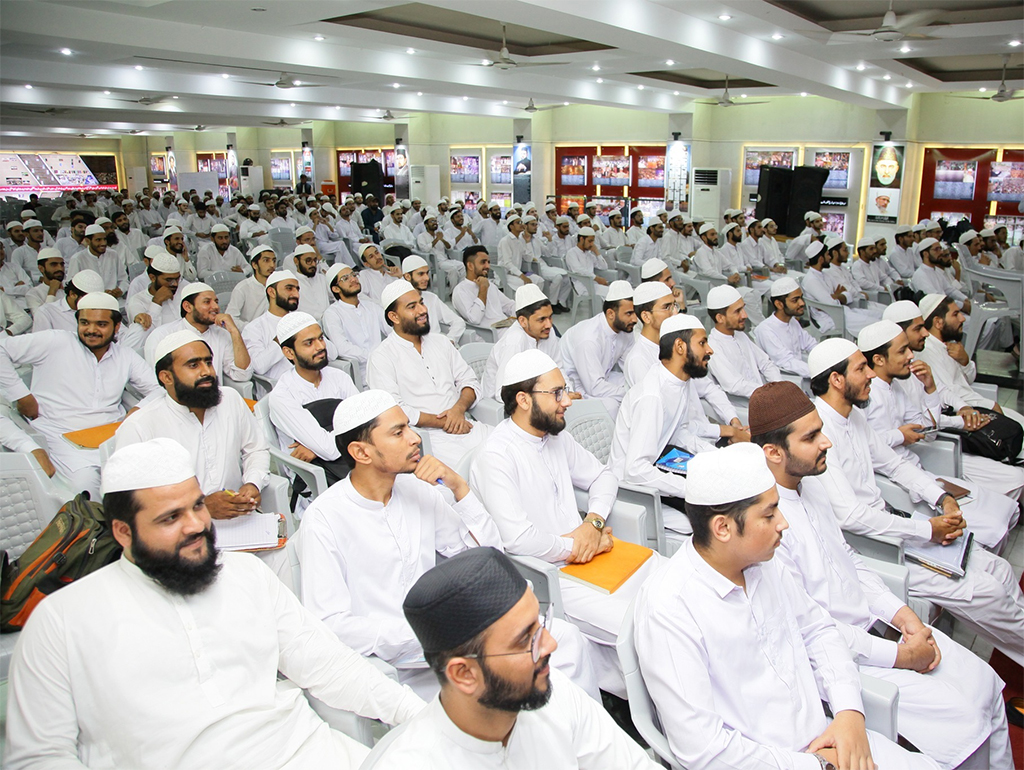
(954, 180)
(838, 165)
(753, 160)
(501, 169)
(573, 170)
(613, 170)
(1006, 182)
(650, 171)
(465, 169)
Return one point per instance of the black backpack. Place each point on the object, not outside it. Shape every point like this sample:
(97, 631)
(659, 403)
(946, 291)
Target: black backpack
(334, 470)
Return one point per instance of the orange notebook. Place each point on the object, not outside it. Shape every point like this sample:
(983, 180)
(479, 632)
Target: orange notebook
(606, 572)
(91, 438)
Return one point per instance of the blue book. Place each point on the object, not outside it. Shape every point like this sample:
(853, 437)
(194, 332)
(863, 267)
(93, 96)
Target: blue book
(674, 461)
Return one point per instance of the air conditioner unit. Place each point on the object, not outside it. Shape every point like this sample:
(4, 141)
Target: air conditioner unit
(251, 180)
(710, 192)
(425, 183)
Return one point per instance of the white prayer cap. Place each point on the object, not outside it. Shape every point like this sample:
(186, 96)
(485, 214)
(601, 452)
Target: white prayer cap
(103, 221)
(903, 229)
(814, 250)
(430, 214)
(30, 223)
(784, 287)
(413, 262)
(964, 239)
(877, 334)
(865, 242)
(987, 233)
(930, 224)
(359, 408)
(528, 294)
(634, 210)
(517, 206)
(12, 223)
(27, 213)
(901, 312)
(219, 229)
(927, 243)
(573, 205)
(258, 249)
(833, 241)
(406, 203)
(728, 227)
(198, 287)
(584, 232)
(649, 291)
(302, 230)
(676, 215)
(929, 302)
(582, 218)
(705, 229)
(618, 290)
(728, 213)
(293, 323)
(494, 204)
(529, 205)
(163, 262)
(281, 275)
(827, 354)
(336, 268)
(512, 218)
(90, 231)
(98, 300)
(590, 205)
(159, 462)
(562, 220)
(918, 228)
(811, 216)
(393, 291)
(329, 208)
(686, 220)
(172, 342)
(416, 200)
(722, 297)
(363, 247)
(526, 365)
(529, 218)
(87, 281)
(652, 267)
(680, 322)
(48, 253)
(172, 230)
(550, 207)
(304, 248)
(727, 475)
(253, 207)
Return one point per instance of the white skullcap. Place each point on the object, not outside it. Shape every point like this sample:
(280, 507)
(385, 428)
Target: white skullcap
(305, 248)
(814, 250)
(562, 220)
(585, 232)
(723, 296)
(406, 203)
(172, 342)
(988, 233)
(430, 214)
(293, 323)
(705, 229)
(929, 302)
(336, 268)
(676, 215)
(492, 204)
(518, 206)
(573, 205)
(329, 208)
(930, 224)
(550, 207)
(649, 291)
(526, 365)
(281, 275)
(302, 230)
(590, 204)
(258, 249)
(727, 475)
(582, 218)
(87, 281)
(159, 462)
(98, 300)
(253, 207)
(172, 230)
(103, 221)
(784, 287)
(680, 322)
(728, 227)
(360, 408)
(363, 247)
(27, 213)
(413, 262)
(393, 291)
(528, 294)
(198, 287)
(827, 354)
(927, 243)
(918, 228)
(13, 223)
(512, 218)
(865, 242)
(30, 223)
(686, 220)
(529, 205)
(833, 241)
(652, 267)
(811, 216)
(965, 238)
(529, 218)
(728, 213)
(903, 229)
(877, 334)
(618, 290)
(162, 262)
(218, 228)
(635, 209)
(901, 312)
(91, 230)
(48, 253)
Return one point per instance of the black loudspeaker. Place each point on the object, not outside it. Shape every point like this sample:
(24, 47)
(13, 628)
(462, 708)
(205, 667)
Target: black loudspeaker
(773, 188)
(804, 196)
(368, 178)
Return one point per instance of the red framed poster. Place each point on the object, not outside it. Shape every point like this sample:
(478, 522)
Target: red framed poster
(954, 179)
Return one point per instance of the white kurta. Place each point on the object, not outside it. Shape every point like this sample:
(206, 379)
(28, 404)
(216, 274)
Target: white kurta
(55, 315)
(217, 338)
(356, 329)
(947, 713)
(400, 234)
(373, 283)
(738, 675)
(515, 340)
(591, 350)
(39, 295)
(786, 344)
(248, 300)
(293, 422)
(585, 263)
(209, 261)
(110, 265)
(439, 313)
(466, 299)
(314, 294)
(738, 365)
(646, 248)
(82, 694)
(818, 286)
(934, 280)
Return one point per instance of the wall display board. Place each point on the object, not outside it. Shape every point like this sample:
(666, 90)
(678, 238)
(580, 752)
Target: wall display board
(158, 166)
(884, 185)
(1006, 182)
(677, 174)
(954, 180)
(215, 163)
(608, 206)
(503, 198)
(565, 200)
(572, 170)
(619, 172)
(976, 181)
(346, 157)
(465, 169)
(281, 167)
(838, 164)
(754, 158)
(50, 174)
(306, 164)
(522, 172)
(468, 198)
(611, 170)
(1014, 227)
(650, 171)
(950, 217)
(501, 169)
(835, 223)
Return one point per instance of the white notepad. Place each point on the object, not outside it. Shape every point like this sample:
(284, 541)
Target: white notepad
(949, 560)
(243, 533)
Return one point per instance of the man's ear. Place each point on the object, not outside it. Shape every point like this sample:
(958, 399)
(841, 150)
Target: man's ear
(122, 534)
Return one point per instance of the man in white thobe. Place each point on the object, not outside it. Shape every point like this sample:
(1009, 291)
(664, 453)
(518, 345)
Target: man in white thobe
(108, 263)
(417, 272)
(376, 274)
(219, 256)
(780, 335)
(585, 259)
(613, 236)
(871, 271)
(436, 242)
(532, 331)
(738, 365)
(160, 302)
(50, 266)
(650, 245)
(61, 314)
(314, 294)
(353, 323)
(395, 230)
(534, 248)
(260, 335)
(249, 296)
(477, 300)
(823, 288)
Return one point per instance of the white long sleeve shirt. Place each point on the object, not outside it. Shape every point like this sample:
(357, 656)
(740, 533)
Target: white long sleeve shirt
(591, 350)
(646, 248)
(738, 365)
(611, 238)
(425, 244)
(515, 340)
(209, 260)
(314, 294)
(584, 263)
(265, 356)
(526, 482)
(934, 280)
(373, 283)
(92, 656)
(294, 422)
(439, 313)
(13, 319)
(217, 338)
(874, 276)
(949, 374)
(248, 300)
(167, 313)
(400, 234)
(466, 298)
(110, 265)
(904, 262)
(39, 295)
(785, 343)
(356, 329)
(227, 447)
(510, 255)
(457, 238)
(360, 558)
(55, 315)
(710, 263)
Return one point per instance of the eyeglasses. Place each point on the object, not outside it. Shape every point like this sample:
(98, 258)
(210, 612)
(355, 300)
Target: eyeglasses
(534, 641)
(558, 393)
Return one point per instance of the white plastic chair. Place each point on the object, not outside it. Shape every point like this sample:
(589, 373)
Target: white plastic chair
(835, 312)
(629, 271)
(281, 462)
(1010, 285)
(282, 240)
(487, 410)
(224, 281)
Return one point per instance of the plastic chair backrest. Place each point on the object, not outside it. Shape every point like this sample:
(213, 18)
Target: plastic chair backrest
(29, 502)
(590, 424)
(262, 413)
(476, 354)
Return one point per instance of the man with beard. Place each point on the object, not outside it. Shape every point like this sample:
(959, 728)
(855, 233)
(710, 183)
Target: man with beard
(370, 213)
(130, 238)
(219, 256)
(61, 313)
(593, 349)
(281, 219)
(376, 273)
(814, 229)
(395, 230)
(147, 219)
(780, 335)
(210, 632)
(585, 259)
(354, 324)
(417, 272)
(488, 228)
(426, 375)
(220, 432)
(663, 410)
(477, 621)
(310, 379)
(174, 243)
(476, 299)
(72, 243)
(200, 312)
(708, 259)
(532, 331)
(739, 366)
(436, 241)
(613, 235)
(821, 285)
(525, 474)
(315, 296)
(348, 229)
(677, 247)
(33, 241)
(738, 658)
(635, 231)
(653, 303)
(50, 264)
(932, 276)
(156, 305)
(249, 297)
(78, 381)
(987, 598)
(650, 245)
(108, 263)
(253, 226)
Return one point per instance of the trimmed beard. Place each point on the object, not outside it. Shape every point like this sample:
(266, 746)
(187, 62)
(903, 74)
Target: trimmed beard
(177, 575)
(194, 397)
(551, 424)
(693, 367)
(414, 329)
(501, 694)
(949, 335)
(849, 396)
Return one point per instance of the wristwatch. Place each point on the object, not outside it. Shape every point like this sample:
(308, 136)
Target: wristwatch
(825, 764)
(598, 524)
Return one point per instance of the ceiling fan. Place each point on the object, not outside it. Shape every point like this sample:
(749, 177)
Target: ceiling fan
(894, 29)
(282, 123)
(146, 101)
(505, 62)
(1003, 94)
(47, 111)
(285, 81)
(532, 108)
(200, 127)
(726, 101)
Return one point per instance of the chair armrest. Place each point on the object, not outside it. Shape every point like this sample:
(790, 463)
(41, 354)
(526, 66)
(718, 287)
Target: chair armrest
(351, 367)
(275, 499)
(880, 705)
(629, 520)
(609, 274)
(943, 456)
(488, 333)
(313, 475)
(895, 576)
(266, 383)
(488, 411)
(650, 499)
(545, 578)
(244, 388)
(986, 389)
(879, 547)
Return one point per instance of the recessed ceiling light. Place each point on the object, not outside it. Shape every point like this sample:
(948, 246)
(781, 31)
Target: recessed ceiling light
(640, 87)
(909, 85)
(669, 63)
(337, 106)
(566, 103)
(886, 77)
(395, 85)
(419, 93)
(225, 75)
(861, 67)
(138, 68)
(410, 51)
(904, 49)
(28, 86)
(465, 98)
(724, 17)
(743, 96)
(1014, 43)
(505, 101)
(66, 51)
(803, 93)
(174, 97)
(777, 36)
(600, 80)
(596, 68)
(106, 93)
(486, 62)
(319, 38)
(675, 93)
(983, 89)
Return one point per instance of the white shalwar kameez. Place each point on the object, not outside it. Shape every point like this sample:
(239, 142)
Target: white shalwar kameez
(818, 286)
(355, 329)
(248, 300)
(373, 283)
(466, 299)
(514, 341)
(738, 365)
(293, 422)
(787, 344)
(591, 350)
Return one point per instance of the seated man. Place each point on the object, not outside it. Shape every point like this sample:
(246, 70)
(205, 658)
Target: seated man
(532, 331)
(780, 335)
(650, 244)
(963, 694)
(160, 302)
(417, 272)
(736, 656)
(478, 300)
(353, 323)
(655, 269)
(871, 271)
(434, 240)
(228, 450)
(534, 248)
(314, 294)
(249, 296)
(210, 631)
(986, 598)
(61, 314)
(820, 286)
(376, 274)
(541, 519)
(78, 381)
(653, 304)
(50, 265)
(585, 259)
(426, 375)
(477, 622)
(593, 348)
(738, 365)
(219, 256)
(108, 263)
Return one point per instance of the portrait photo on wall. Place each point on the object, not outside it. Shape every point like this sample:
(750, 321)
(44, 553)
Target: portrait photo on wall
(883, 203)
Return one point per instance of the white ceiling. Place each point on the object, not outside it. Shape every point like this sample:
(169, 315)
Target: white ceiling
(360, 67)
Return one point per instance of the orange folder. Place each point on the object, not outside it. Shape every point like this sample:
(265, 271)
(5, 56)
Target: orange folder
(91, 438)
(606, 572)
(250, 403)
